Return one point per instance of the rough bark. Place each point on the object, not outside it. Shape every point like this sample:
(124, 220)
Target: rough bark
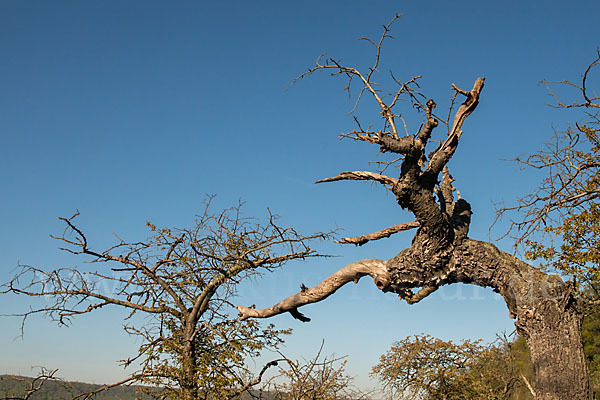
(350, 273)
(546, 309)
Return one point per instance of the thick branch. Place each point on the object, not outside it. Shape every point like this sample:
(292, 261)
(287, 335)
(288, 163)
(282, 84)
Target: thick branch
(447, 149)
(403, 145)
(351, 272)
(384, 233)
(361, 175)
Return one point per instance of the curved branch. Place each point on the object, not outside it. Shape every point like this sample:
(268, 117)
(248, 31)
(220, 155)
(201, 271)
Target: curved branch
(384, 233)
(447, 149)
(359, 176)
(351, 272)
(258, 379)
(413, 298)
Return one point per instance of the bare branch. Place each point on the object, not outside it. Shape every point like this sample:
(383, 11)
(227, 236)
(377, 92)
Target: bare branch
(384, 233)
(93, 393)
(35, 384)
(257, 380)
(528, 385)
(351, 272)
(361, 175)
(447, 149)
(590, 101)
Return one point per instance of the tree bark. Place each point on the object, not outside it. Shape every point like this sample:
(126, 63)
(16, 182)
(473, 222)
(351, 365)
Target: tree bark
(351, 272)
(548, 314)
(547, 310)
(188, 380)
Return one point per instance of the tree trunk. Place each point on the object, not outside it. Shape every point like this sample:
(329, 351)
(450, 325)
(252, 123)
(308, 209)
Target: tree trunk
(559, 364)
(548, 314)
(547, 310)
(188, 380)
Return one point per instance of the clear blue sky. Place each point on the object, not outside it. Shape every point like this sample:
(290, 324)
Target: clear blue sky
(134, 111)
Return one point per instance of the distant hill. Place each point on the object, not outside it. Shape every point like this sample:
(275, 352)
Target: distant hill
(12, 386)
(16, 386)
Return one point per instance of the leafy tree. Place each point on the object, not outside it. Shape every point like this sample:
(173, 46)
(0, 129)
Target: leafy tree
(424, 367)
(503, 371)
(558, 224)
(547, 309)
(428, 368)
(176, 286)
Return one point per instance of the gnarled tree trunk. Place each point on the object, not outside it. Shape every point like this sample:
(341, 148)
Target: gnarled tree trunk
(547, 311)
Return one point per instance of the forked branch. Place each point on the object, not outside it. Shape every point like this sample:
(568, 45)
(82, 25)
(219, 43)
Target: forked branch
(590, 101)
(572, 164)
(447, 149)
(368, 85)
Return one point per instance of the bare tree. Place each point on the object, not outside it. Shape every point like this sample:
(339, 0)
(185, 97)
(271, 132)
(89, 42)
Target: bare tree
(547, 310)
(180, 281)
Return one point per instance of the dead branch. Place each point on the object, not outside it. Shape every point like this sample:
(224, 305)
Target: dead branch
(384, 233)
(35, 384)
(447, 149)
(256, 380)
(529, 387)
(441, 252)
(361, 175)
(350, 273)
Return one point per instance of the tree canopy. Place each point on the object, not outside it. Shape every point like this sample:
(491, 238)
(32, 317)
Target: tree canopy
(176, 286)
(428, 368)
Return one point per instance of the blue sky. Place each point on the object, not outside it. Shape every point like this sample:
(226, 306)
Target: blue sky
(135, 111)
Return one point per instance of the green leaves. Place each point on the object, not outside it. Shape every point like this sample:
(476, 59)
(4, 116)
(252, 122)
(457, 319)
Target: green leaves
(429, 368)
(177, 287)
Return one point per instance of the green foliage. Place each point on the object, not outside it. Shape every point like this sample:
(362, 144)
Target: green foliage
(17, 387)
(177, 287)
(591, 346)
(427, 368)
(578, 255)
(502, 371)
(218, 367)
